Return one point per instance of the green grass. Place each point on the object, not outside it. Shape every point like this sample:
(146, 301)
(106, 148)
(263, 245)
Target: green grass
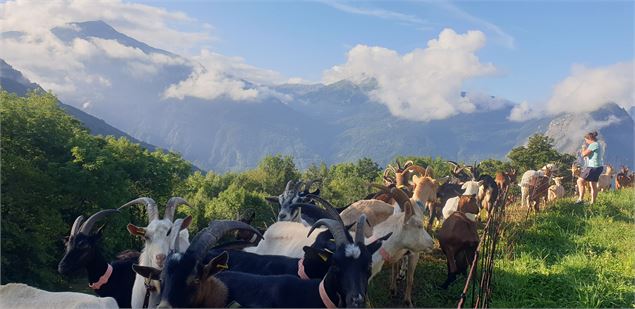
(566, 256)
(570, 256)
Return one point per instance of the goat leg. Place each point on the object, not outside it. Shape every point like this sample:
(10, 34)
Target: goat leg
(412, 266)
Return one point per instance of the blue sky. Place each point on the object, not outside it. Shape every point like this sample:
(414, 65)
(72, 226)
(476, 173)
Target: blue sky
(532, 44)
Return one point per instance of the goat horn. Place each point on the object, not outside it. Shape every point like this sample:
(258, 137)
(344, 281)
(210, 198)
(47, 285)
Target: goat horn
(172, 204)
(213, 232)
(392, 168)
(90, 222)
(330, 209)
(336, 228)
(401, 197)
(359, 235)
(288, 187)
(417, 169)
(409, 163)
(380, 187)
(398, 165)
(298, 186)
(151, 207)
(314, 212)
(76, 225)
(175, 234)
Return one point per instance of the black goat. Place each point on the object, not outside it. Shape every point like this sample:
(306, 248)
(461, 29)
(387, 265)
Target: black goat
(444, 193)
(187, 282)
(114, 279)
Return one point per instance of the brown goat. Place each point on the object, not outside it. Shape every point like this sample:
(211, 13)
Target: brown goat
(539, 192)
(624, 178)
(505, 179)
(459, 239)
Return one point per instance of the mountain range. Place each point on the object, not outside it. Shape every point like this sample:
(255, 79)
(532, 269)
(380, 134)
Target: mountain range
(312, 122)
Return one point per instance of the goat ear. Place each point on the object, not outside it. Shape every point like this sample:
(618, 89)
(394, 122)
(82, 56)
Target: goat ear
(314, 253)
(135, 230)
(186, 223)
(272, 199)
(147, 271)
(216, 265)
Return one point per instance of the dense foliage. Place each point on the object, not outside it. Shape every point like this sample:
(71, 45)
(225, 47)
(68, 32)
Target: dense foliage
(53, 170)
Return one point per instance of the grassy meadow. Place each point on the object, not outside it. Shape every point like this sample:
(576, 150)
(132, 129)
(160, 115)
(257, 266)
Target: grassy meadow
(566, 256)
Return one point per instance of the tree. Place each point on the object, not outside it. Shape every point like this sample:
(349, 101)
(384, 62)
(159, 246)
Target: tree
(538, 152)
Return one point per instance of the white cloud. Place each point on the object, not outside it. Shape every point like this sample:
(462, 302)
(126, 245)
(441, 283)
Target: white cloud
(525, 111)
(154, 26)
(587, 89)
(501, 36)
(424, 84)
(220, 75)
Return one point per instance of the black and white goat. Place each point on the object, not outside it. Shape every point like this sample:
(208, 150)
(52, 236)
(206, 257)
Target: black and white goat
(108, 279)
(188, 282)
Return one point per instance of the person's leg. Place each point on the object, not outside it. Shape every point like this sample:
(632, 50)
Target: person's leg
(581, 186)
(594, 191)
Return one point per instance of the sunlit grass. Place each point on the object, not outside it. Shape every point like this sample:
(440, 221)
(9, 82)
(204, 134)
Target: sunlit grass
(567, 256)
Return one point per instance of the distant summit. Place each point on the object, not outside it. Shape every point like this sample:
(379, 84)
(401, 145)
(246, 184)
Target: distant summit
(102, 30)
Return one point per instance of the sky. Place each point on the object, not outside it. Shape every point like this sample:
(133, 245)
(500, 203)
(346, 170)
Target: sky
(532, 43)
(547, 56)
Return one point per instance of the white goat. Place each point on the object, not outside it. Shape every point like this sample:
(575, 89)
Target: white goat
(528, 179)
(158, 236)
(285, 238)
(556, 191)
(452, 204)
(19, 295)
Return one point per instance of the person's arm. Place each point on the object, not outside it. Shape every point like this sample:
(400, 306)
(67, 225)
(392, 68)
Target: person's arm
(589, 150)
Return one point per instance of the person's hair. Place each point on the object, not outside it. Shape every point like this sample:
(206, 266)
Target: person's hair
(592, 136)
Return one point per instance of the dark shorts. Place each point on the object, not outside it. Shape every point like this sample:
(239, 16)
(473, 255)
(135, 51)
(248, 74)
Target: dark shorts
(592, 174)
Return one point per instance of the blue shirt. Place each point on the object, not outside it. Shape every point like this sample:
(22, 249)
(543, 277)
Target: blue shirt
(595, 158)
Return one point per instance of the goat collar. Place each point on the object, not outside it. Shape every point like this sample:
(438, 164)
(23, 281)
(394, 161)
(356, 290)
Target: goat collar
(384, 254)
(325, 297)
(301, 272)
(102, 280)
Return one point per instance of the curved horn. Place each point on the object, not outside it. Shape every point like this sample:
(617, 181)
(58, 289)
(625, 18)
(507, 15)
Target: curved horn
(211, 234)
(336, 228)
(429, 171)
(151, 207)
(90, 222)
(297, 186)
(172, 204)
(330, 209)
(417, 169)
(398, 165)
(409, 163)
(383, 189)
(314, 212)
(359, 234)
(391, 168)
(289, 184)
(76, 225)
(401, 197)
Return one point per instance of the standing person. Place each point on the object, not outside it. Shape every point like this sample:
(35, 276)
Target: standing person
(592, 153)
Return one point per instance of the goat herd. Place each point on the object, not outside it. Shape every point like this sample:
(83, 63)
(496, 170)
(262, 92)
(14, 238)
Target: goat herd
(316, 255)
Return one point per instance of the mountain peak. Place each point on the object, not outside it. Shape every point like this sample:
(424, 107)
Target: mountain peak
(102, 30)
